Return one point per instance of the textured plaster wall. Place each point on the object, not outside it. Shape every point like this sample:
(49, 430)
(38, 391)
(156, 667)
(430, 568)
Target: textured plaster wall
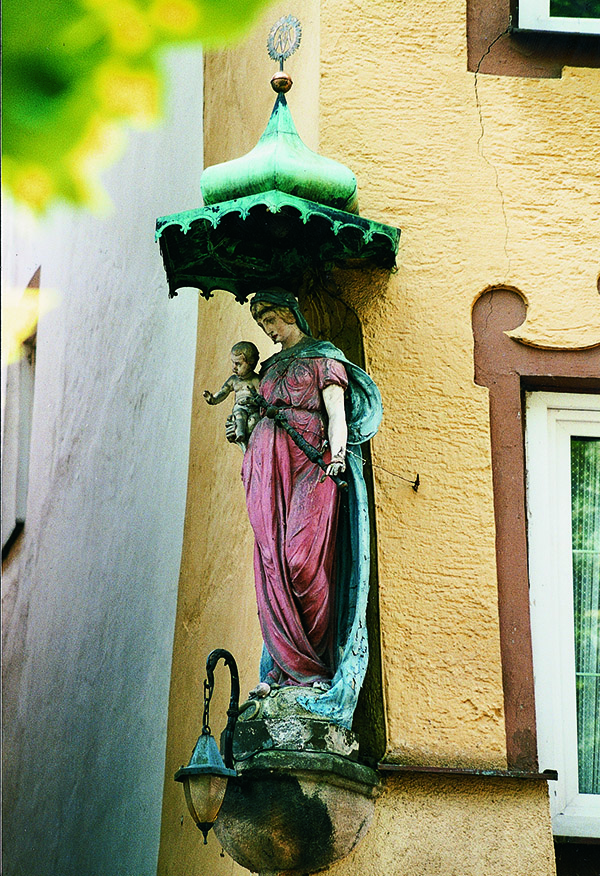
(493, 182)
(216, 607)
(89, 596)
(439, 826)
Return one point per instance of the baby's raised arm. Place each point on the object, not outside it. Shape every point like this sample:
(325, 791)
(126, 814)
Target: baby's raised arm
(221, 395)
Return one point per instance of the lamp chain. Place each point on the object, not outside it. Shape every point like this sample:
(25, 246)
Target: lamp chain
(208, 692)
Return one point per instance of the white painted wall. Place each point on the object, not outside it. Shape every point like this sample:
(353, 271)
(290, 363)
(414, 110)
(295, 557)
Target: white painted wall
(89, 595)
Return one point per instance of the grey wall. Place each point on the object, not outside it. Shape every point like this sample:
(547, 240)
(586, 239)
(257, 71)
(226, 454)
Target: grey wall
(89, 594)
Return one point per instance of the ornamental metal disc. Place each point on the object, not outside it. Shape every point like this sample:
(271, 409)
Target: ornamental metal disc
(284, 38)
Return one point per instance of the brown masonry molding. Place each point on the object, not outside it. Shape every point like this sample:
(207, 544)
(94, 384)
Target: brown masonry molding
(390, 767)
(507, 367)
(494, 47)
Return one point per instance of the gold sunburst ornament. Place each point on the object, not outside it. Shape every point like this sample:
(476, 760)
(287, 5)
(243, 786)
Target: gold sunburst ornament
(284, 38)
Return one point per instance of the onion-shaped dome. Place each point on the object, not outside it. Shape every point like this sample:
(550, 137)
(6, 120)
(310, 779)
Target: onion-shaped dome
(281, 162)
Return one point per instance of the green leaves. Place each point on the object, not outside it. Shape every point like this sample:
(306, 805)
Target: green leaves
(75, 71)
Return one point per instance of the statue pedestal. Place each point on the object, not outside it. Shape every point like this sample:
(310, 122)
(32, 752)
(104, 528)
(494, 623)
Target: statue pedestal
(301, 800)
(279, 722)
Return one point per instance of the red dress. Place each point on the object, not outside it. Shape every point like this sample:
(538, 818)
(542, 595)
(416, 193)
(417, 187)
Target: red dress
(294, 518)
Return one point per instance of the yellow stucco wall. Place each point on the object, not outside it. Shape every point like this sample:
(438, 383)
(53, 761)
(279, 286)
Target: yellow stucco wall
(442, 826)
(493, 181)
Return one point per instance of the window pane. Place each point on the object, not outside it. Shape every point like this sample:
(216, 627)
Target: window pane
(585, 514)
(575, 8)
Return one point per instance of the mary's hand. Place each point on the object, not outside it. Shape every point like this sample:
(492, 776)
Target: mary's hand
(230, 428)
(337, 464)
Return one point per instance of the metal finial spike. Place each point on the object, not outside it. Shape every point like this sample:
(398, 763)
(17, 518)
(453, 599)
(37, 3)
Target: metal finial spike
(284, 38)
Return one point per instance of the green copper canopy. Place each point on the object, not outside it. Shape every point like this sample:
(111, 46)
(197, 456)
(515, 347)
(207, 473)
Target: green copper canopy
(281, 162)
(272, 238)
(269, 218)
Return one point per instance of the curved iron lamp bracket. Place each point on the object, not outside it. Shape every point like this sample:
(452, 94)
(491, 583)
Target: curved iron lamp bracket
(234, 700)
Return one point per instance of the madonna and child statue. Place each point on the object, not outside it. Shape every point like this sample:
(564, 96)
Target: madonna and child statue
(301, 420)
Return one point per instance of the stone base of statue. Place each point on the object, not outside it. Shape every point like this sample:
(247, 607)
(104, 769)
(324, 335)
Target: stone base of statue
(301, 799)
(279, 722)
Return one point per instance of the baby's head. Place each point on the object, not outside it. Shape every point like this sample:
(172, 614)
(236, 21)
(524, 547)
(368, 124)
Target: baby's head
(244, 356)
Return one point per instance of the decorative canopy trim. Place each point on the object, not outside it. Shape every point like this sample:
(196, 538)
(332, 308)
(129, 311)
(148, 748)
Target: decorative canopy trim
(271, 237)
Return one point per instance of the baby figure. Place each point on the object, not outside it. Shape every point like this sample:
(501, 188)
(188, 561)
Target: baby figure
(243, 382)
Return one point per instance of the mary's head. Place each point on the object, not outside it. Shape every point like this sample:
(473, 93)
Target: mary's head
(277, 313)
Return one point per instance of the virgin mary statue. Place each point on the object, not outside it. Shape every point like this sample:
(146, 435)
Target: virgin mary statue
(311, 557)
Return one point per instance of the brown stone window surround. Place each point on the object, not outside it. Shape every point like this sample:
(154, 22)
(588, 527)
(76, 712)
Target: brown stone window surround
(508, 368)
(494, 46)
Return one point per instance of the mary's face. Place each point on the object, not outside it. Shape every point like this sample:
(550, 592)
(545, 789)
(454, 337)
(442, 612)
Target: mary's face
(276, 327)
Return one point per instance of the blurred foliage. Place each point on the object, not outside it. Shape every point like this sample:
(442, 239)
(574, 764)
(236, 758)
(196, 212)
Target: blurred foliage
(21, 310)
(75, 70)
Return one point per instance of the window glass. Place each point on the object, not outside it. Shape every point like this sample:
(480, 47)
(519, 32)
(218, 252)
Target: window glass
(575, 8)
(585, 517)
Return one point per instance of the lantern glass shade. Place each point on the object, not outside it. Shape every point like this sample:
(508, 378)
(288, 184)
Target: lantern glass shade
(204, 795)
(204, 782)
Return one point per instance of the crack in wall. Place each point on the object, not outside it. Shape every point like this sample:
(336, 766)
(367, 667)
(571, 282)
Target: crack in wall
(489, 312)
(481, 151)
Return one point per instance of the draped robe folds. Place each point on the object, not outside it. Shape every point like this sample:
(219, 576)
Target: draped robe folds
(311, 557)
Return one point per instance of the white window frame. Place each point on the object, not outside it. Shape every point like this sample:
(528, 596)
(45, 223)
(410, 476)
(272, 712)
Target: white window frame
(18, 383)
(551, 420)
(535, 15)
